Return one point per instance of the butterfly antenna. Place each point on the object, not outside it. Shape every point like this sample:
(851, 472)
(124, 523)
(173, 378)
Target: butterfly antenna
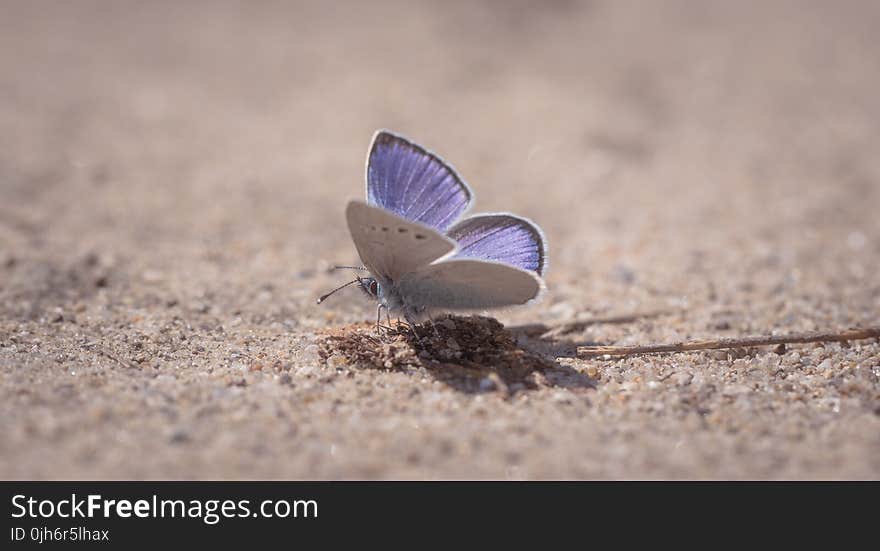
(322, 298)
(349, 268)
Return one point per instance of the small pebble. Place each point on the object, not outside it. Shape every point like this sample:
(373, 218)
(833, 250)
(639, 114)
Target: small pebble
(447, 323)
(682, 378)
(337, 360)
(179, 437)
(311, 353)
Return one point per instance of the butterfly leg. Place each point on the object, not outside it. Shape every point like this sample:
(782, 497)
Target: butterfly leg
(412, 327)
(434, 327)
(379, 318)
(379, 327)
(404, 324)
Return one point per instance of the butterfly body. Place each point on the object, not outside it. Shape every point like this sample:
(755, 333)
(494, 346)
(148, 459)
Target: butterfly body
(422, 255)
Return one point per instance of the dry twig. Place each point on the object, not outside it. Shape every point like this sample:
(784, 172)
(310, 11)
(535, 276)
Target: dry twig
(716, 344)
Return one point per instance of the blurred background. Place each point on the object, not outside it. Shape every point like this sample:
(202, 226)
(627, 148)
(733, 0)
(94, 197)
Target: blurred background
(176, 167)
(186, 128)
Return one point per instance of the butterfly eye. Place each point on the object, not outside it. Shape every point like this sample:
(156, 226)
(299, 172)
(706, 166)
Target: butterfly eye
(374, 288)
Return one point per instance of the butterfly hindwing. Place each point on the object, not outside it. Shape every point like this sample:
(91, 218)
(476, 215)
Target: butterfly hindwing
(414, 183)
(467, 284)
(391, 246)
(501, 238)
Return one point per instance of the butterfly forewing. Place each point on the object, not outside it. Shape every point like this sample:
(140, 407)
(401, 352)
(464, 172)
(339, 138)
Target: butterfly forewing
(501, 238)
(391, 246)
(414, 183)
(465, 284)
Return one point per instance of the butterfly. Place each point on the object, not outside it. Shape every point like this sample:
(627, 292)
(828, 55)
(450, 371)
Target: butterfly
(422, 256)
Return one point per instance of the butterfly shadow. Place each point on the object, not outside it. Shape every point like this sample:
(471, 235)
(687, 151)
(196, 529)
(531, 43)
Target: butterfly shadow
(473, 355)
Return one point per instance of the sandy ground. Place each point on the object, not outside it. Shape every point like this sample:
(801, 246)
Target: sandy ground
(173, 181)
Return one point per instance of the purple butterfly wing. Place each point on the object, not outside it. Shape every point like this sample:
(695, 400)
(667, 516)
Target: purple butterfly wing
(502, 238)
(410, 181)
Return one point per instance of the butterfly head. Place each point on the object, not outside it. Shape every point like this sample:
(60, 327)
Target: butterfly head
(370, 286)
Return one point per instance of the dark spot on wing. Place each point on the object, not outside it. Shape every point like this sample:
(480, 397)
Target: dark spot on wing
(420, 236)
(402, 230)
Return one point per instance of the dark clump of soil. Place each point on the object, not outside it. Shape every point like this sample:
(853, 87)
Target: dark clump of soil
(474, 353)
